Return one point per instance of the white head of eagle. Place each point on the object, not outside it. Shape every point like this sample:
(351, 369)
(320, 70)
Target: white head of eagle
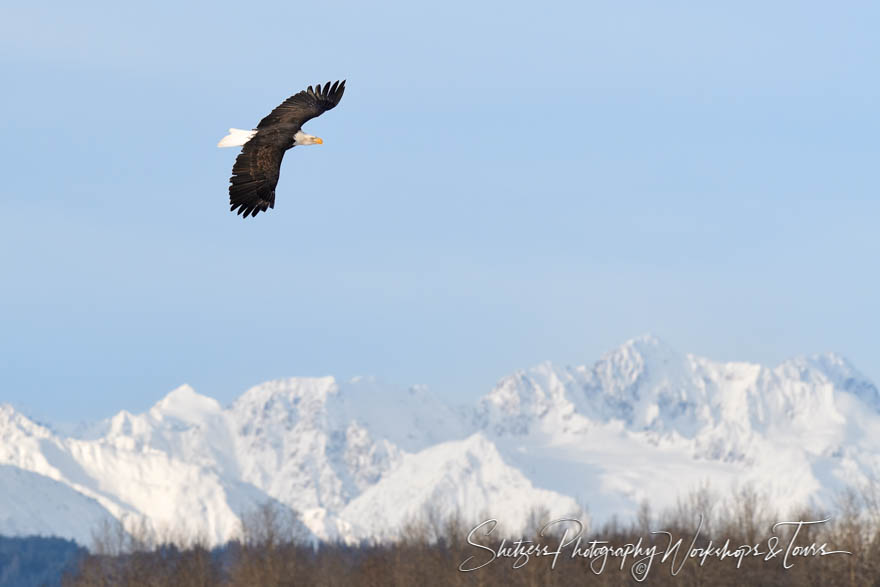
(301, 138)
(258, 166)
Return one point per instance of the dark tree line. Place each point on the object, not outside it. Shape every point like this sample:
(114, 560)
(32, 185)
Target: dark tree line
(431, 552)
(36, 560)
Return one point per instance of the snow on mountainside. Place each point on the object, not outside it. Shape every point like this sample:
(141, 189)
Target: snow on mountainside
(32, 504)
(645, 420)
(160, 468)
(359, 458)
(467, 477)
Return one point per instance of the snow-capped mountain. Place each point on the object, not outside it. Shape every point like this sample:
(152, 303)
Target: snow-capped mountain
(646, 421)
(360, 459)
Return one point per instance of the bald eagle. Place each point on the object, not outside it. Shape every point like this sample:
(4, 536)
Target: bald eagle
(256, 170)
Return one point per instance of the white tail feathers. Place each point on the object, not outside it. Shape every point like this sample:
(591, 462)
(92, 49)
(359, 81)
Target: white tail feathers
(236, 137)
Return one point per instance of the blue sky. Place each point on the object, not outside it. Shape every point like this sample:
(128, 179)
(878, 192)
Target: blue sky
(503, 183)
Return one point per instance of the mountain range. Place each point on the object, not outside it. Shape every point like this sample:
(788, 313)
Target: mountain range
(360, 459)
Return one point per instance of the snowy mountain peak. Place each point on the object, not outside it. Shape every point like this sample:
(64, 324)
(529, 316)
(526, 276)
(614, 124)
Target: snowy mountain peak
(646, 348)
(624, 384)
(834, 370)
(647, 344)
(185, 404)
(650, 388)
(288, 391)
(620, 370)
(14, 422)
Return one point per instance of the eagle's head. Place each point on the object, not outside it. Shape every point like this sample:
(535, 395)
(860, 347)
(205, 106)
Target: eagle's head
(301, 138)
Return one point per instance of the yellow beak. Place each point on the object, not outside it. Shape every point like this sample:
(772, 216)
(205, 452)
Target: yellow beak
(319, 140)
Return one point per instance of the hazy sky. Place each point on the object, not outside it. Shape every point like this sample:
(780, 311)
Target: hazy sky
(503, 183)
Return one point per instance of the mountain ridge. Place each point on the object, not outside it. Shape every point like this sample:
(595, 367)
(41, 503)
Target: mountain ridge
(352, 456)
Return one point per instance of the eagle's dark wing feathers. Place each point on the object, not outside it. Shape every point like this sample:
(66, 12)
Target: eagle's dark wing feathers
(305, 105)
(256, 170)
(254, 177)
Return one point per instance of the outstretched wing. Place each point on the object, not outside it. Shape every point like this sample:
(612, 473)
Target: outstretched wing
(254, 176)
(305, 105)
